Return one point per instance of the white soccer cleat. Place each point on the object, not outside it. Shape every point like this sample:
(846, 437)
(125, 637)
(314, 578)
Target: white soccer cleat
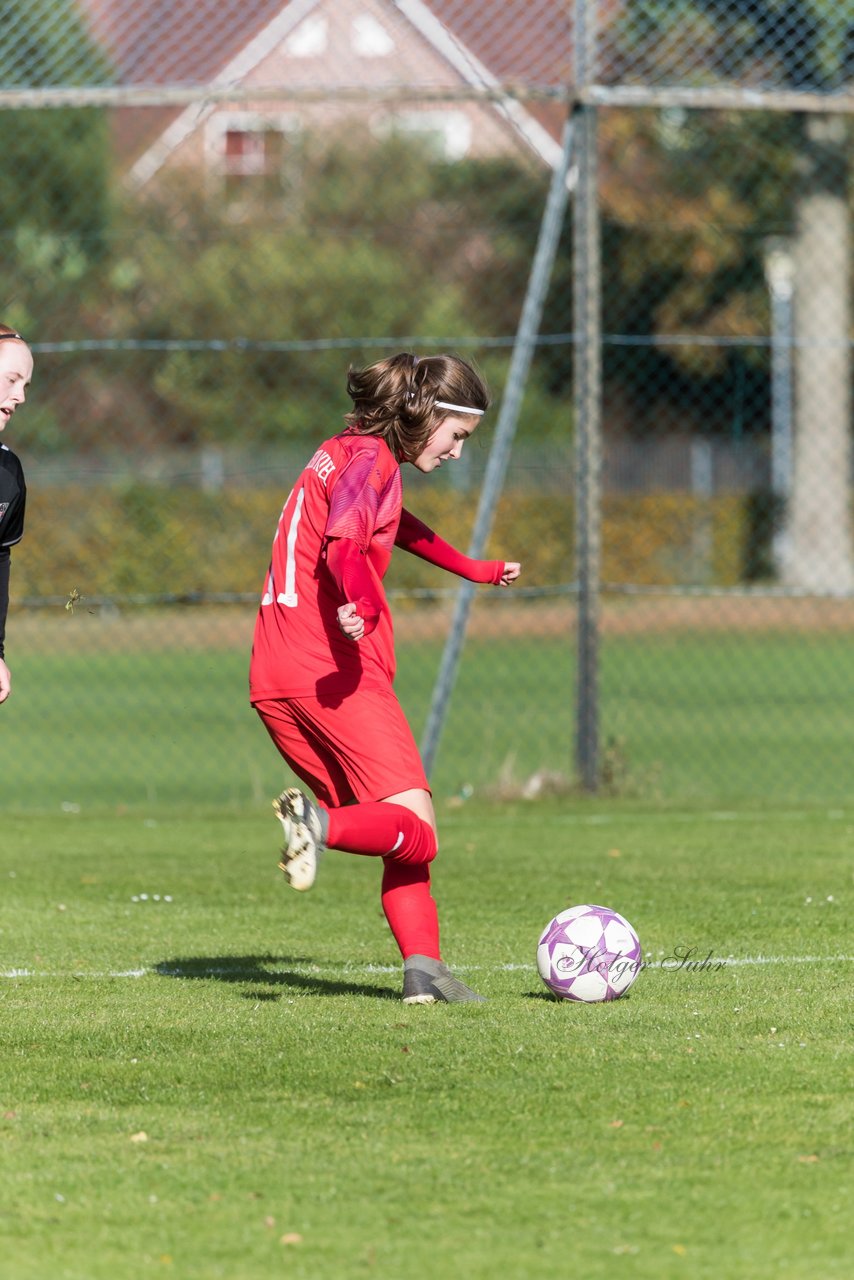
(304, 833)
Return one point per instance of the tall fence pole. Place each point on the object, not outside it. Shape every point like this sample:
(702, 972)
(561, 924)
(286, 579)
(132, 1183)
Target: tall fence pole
(505, 430)
(780, 275)
(587, 304)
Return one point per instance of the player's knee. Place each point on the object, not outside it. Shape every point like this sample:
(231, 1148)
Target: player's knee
(431, 843)
(419, 844)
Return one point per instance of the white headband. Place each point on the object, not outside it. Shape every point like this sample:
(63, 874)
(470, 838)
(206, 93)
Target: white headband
(458, 408)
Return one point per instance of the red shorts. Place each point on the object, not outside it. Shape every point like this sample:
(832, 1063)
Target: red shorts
(361, 750)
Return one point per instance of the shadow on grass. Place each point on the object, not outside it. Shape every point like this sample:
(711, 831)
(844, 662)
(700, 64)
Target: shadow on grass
(266, 972)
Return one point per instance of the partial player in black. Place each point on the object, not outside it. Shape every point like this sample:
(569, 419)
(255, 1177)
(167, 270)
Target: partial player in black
(16, 370)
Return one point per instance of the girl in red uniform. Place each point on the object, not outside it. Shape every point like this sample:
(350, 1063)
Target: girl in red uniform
(323, 654)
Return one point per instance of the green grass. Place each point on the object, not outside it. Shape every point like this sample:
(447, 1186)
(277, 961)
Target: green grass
(296, 1119)
(299, 1121)
(722, 719)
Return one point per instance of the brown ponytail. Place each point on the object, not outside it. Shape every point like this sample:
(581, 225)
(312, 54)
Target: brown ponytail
(396, 398)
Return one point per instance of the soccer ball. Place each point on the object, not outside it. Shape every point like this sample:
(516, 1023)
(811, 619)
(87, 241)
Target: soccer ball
(588, 953)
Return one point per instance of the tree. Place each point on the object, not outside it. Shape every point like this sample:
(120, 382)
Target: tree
(55, 173)
(805, 45)
(54, 193)
(811, 43)
(372, 242)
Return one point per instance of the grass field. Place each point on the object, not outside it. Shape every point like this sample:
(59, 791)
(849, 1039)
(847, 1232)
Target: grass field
(219, 1080)
(206, 1075)
(152, 711)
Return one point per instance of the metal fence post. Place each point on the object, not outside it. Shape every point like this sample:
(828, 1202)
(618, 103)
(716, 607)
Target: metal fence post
(511, 403)
(780, 275)
(587, 326)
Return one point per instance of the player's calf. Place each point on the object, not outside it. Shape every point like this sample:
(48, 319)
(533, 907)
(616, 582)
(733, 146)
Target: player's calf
(382, 829)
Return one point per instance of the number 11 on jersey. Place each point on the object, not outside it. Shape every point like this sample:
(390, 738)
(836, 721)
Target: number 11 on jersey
(288, 597)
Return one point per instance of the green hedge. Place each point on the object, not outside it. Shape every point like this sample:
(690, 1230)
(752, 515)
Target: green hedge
(146, 539)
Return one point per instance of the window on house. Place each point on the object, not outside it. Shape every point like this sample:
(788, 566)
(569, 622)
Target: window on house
(257, 158)
(370, 39)
(446, 135)
(309, 39)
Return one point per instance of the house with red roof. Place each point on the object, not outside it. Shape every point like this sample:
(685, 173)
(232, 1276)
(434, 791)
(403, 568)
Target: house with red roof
(402, 66)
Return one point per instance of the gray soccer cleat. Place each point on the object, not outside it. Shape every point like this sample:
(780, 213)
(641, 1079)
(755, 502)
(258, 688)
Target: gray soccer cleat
(305, 837)
(429, 981)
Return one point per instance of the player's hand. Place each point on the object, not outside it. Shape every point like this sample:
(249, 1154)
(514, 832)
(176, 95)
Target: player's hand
(5, 681)
(351, 622)
(512, 569)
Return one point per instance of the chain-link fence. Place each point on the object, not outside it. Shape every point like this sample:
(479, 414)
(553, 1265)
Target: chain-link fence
(211, 210)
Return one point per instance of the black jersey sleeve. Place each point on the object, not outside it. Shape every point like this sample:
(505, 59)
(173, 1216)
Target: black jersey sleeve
(13, 498)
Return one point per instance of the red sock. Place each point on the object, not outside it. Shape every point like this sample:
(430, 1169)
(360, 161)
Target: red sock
(382, 830)
(410, 908)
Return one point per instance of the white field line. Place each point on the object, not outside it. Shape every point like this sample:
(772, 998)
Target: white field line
(672, 964)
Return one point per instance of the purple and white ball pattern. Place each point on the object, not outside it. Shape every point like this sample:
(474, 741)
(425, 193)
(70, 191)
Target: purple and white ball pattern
(589, 953)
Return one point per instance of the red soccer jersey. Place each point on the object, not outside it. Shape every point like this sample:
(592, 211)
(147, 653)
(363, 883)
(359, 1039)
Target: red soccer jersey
(350, 488)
